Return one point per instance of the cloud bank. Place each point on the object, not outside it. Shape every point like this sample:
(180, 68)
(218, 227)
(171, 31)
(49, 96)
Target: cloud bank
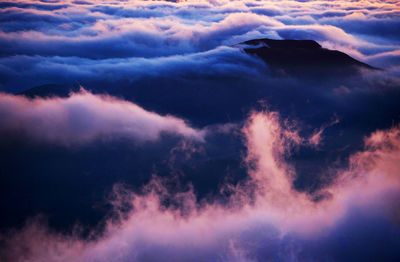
(109, 33)
(263, 209)
(84, 117)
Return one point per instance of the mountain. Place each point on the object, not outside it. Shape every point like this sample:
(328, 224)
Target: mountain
(303, 58)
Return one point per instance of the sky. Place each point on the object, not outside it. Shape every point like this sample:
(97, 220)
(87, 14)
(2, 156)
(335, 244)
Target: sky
(147, 131)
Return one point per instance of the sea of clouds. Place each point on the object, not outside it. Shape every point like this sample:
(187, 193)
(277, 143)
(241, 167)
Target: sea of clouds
(191, 91)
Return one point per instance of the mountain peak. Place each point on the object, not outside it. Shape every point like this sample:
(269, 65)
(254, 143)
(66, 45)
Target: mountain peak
(302, 58)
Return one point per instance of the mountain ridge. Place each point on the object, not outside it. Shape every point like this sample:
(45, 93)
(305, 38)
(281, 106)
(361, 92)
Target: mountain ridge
(299, 57)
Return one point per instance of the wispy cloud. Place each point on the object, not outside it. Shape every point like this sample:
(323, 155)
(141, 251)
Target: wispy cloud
(264, 209)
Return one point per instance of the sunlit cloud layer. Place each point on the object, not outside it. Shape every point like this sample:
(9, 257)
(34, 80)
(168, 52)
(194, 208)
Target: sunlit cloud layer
(264, 205)
(44, 31)
(84, 117)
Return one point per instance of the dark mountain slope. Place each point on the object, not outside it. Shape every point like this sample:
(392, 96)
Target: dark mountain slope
(303, 58)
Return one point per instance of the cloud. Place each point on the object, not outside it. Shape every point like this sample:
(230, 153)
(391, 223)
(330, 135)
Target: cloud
(38, 70)
(135, 30)
(84, 117)
(386, 59)
(316, 138)
(178, 28)
(39, 6)
(266, 218)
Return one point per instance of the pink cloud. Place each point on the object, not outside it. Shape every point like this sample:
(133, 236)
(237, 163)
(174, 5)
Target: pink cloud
(316, 138)
(266, 198)
(84, 117)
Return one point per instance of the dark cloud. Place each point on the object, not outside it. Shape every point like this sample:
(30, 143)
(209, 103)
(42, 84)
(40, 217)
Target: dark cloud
(385, 30)
(37, 70)
(124, 12)
(82, 3)
(46, 7)
(266, 11)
